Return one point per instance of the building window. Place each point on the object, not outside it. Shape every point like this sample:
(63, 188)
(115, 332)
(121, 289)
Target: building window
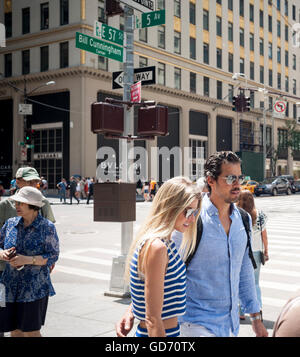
(161, 36)
(270, 23)
(252, 98)
(219, 58)
(8, 21)
(241, 7)
(8, 65)
(25, 20)
(251, 12)
(25, 62)
(177, 78)
(278, 28)
(192, 13)
(102, 63)
(242, 65)
(270, 50)
(205, 20)
(286, 8)
(160, 4)
(219, 26)
(143, 34)
(270, 78)
(242, 37)
(279, 55)
(286, 56)
(192, 48)
(193, 77)
(294, 62)
(230, 31)
(230, 62)
(261, 18)
(64, 12)
(206, 86)
(261, 46)
(279, 80)
(286, 33)
(251, 41)
(278, 5)
(294, 12)
(177, 8)
(177, 42)
(219, 90)
(206, 53)
(230, 93)
(44, 58)
(261, 74)
(44, 16)
(101, 12)
(64, 54)
(294, 86)
(143, 62)
(286, 83)
(161, 73)
(252, 70)
(230, 5)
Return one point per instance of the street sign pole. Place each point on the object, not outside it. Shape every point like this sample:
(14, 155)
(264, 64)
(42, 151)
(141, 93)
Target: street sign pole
(118, 287)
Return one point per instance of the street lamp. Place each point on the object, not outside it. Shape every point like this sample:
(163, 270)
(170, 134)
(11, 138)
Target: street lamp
(235, 76)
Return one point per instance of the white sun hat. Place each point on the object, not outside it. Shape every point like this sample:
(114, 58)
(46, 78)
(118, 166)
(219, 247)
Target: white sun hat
(30, 195)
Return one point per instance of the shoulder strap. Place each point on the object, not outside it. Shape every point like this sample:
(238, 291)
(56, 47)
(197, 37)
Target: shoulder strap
(246, 223)
(198, 238)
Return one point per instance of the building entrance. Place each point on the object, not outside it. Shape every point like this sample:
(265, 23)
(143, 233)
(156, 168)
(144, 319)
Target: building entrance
(48, 152)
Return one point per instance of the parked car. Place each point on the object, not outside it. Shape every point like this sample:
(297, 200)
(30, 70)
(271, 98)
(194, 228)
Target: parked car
(249, 185)
(297, 185)
(290, 178)
(273, 186)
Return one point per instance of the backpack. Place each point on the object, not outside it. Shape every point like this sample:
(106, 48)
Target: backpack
(246, 223)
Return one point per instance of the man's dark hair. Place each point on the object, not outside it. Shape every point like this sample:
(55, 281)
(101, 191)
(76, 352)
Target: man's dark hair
(213, 164)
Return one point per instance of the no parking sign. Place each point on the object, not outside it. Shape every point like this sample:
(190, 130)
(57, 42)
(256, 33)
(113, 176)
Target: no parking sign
(279, 109)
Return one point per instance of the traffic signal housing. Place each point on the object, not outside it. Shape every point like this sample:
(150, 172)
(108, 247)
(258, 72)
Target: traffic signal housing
(113, 7)
(107, 118)
(29, 136)
(246, 107)
(153, 120)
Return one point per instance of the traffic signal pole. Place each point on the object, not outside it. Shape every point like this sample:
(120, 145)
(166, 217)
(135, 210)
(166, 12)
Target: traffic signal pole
(118, 287)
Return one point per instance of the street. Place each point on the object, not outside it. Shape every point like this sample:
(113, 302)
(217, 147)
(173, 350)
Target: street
(82, 274)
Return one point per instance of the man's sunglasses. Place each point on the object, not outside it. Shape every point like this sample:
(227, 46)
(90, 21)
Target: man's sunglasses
(230, 179)
(188, 212)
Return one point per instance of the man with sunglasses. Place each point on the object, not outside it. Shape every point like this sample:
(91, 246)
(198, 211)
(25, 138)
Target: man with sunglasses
(221, 271)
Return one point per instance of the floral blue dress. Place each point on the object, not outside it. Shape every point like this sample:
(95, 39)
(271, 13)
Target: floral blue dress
(40, 238)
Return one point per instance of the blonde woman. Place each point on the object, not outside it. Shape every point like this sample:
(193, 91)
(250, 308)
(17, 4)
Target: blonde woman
(156, 271)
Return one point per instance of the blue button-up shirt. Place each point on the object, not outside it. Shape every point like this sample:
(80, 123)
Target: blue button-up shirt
(219, 274)
(39, 238)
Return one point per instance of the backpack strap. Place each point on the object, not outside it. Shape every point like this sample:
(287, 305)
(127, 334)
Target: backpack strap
(245, 219)
(198, 238)
(246, 223)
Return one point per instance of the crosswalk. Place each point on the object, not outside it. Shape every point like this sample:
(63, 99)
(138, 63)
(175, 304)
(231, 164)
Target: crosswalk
(280, 276)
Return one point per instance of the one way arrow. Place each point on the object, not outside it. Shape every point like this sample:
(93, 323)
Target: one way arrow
(146, 75)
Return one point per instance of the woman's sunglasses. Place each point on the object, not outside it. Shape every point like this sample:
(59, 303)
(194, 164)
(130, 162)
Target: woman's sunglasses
(188, 212)
(230, 179)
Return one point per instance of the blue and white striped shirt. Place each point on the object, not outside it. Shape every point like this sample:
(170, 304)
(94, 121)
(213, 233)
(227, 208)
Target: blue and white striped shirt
(174, 285)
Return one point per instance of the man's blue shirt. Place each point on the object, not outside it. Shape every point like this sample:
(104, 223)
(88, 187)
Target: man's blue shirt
(219, 274)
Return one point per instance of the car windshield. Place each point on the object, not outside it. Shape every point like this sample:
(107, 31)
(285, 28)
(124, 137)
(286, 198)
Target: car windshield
(268, 180)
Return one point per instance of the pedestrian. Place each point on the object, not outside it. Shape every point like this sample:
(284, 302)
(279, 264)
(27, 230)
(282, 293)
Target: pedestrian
(29, 245)
(146, 191)
(221, 271)
(259, 239)
(139, 187)
(157, 273)
(25, 176)
(91, 191)
(288, 321)
(62, 188)
(13, 186)
(44, 185)
(73, 186)
(153, 187)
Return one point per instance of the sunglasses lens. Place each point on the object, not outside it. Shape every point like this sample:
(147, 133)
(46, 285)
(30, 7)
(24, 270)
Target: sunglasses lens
(233, 178)
(191, 212)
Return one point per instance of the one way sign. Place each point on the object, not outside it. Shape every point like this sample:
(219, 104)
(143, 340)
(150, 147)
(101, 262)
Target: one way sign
(146, 75)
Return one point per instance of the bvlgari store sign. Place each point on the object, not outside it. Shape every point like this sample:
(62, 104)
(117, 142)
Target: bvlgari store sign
(47, 155)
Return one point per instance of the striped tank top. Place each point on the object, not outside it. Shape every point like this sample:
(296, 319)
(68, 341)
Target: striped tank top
(174, 302)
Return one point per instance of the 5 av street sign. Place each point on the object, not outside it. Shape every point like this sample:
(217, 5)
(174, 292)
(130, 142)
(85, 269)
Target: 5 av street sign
(99, 47)
(141, 5)
(146, 75)
(149, 19)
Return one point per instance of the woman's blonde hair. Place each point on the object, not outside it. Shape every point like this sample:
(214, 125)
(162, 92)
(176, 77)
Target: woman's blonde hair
(172, 198)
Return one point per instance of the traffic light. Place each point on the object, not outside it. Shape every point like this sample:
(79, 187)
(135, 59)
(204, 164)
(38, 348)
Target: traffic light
(234, 103)
(246, 107)
(153, 120)
(112, 8)
(107, 118)
(29, 136)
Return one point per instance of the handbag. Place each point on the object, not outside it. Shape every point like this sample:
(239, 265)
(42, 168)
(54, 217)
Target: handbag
(262, 254)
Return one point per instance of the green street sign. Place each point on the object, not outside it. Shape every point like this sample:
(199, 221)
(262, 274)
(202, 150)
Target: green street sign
(152, 18)
(108, 33)
(99, 47)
